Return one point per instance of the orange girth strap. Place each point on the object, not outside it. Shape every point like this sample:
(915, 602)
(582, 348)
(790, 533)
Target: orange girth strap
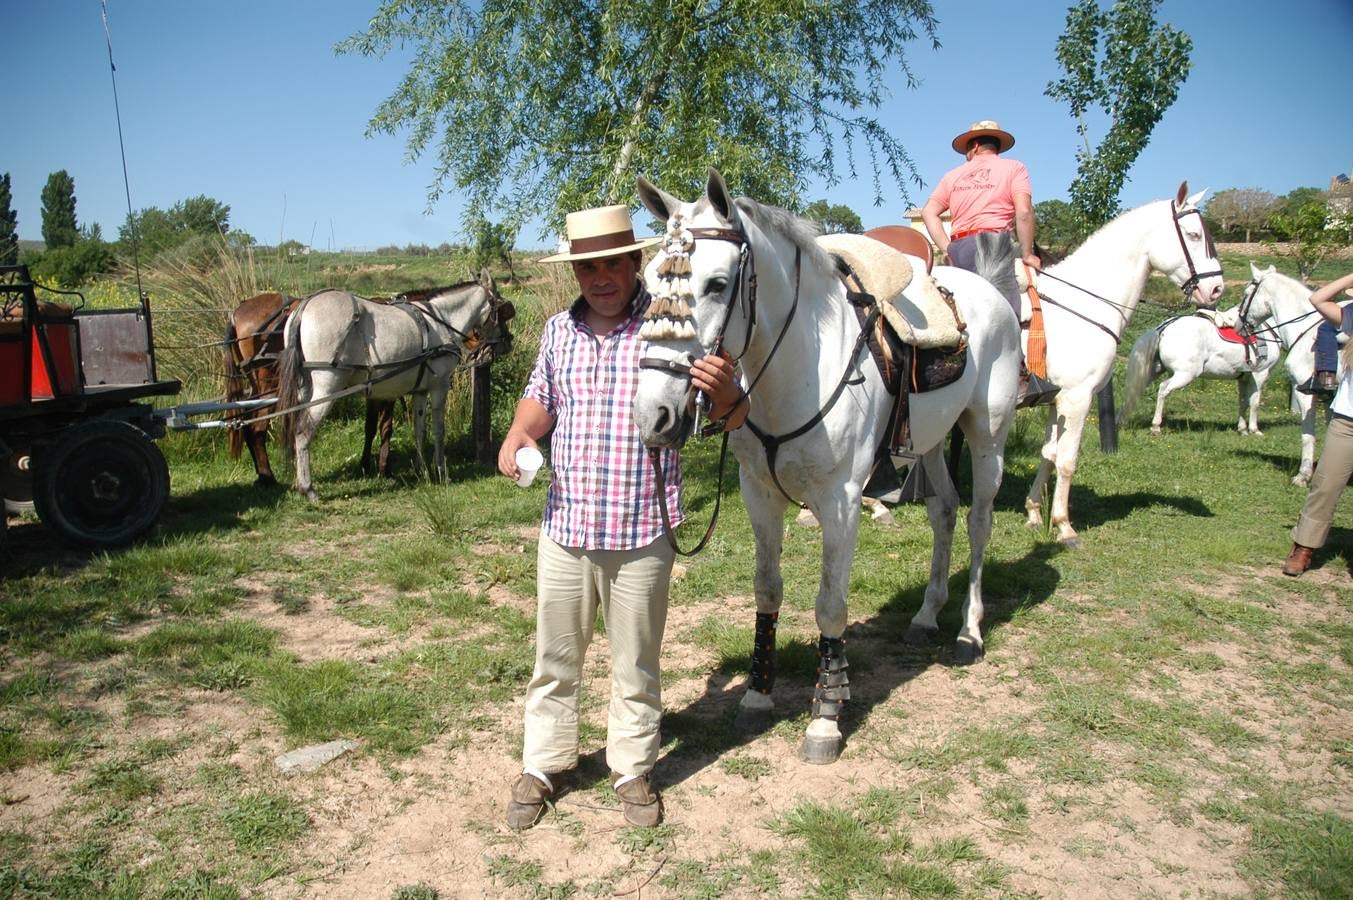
(1036, 357)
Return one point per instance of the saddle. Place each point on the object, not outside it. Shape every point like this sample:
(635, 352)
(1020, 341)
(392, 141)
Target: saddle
(1222, 318)
(916, 333)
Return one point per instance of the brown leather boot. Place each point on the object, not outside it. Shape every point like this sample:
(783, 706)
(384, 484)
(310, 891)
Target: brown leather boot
(527, 803)
(640, 803)
(1298, 561)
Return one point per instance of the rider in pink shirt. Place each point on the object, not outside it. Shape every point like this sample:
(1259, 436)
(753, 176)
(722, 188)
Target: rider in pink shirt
(985, 194)
(986, 197)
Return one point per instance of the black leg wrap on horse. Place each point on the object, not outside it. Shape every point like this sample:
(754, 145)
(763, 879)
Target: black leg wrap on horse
(833, 679)
(763, 653)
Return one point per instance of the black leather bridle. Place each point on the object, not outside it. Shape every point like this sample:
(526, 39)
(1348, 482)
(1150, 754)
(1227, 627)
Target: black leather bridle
(1189, 286)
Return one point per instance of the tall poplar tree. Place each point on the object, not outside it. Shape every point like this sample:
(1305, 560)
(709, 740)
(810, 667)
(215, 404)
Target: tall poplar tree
(1121, 61)
(9, 225)
(58, 211)
(545, 106)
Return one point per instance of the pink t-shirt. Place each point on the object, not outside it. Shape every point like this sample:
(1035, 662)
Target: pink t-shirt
(980, 194)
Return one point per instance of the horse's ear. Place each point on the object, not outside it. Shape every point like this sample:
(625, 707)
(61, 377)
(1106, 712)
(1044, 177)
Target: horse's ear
(657, 201)
(1196, 199)
(1255, 271)
(716, 189)
(486, 281)
(1182, 194)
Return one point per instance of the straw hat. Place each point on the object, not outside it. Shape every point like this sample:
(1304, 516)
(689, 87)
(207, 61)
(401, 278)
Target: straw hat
(984, 128)
(604, 231)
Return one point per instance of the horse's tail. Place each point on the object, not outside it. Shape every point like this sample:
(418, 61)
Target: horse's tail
(1143, 366)
(234, 386)
(995, 261)
(289, 375)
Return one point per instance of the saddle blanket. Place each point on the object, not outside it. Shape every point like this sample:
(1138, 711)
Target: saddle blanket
(910, 302)
(1231, 336)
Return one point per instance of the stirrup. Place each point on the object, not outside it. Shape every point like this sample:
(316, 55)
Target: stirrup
(1035, 391)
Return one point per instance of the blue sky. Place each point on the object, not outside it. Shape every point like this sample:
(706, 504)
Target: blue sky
(247, 103)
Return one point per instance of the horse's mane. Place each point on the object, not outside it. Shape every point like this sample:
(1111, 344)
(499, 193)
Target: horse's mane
(1108, 232)
(418, 295)
(802, 232)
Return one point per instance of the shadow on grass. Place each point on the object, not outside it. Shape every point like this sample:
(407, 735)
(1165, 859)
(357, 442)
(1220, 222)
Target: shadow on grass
(702, 732)
(1286, 464)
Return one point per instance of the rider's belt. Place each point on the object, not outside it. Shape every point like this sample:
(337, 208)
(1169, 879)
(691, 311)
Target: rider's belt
(960, 235)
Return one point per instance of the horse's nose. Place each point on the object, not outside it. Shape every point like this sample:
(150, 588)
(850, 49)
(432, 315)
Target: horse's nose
(1215, 294)
(665, 422)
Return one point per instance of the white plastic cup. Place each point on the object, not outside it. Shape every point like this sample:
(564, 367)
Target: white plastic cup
(529, 462)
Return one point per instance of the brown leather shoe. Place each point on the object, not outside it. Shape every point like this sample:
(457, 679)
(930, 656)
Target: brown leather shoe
(527, 804)
(640, 803)
(1298, 561)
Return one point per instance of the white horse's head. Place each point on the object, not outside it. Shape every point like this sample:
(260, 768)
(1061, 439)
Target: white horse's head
(1185, 252)
(475, 315)
(696, 299)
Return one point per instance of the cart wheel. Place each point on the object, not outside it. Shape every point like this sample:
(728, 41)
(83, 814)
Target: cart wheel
(16, 480)
(102, 483)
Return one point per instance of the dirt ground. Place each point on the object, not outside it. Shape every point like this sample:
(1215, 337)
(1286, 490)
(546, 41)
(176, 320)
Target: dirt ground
(436, 818)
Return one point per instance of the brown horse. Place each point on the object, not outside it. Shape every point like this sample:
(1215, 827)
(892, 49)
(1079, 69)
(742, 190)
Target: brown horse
(253, 343)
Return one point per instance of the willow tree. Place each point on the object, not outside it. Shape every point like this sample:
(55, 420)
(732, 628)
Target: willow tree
(1130, 67)
(539, 107)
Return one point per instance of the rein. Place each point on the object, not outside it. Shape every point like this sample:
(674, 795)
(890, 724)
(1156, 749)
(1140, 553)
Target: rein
(1187, 288)
(682, 242)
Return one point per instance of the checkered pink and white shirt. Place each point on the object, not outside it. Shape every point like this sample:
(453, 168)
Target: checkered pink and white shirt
(603, 495)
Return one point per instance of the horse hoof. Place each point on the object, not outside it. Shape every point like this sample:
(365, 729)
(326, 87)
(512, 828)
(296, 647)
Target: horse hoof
(967, 653)
(1155, 429)
(265, 481)
(820, 751)
(753, 720)
(311, 496)
(920, 636)
(1070, 543)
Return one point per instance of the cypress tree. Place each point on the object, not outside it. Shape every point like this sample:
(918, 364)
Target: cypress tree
(58, 211)
(9, 225)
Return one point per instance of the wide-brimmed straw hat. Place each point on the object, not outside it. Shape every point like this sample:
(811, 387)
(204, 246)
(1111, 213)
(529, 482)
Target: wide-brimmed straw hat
(604, 231)
(984, 128)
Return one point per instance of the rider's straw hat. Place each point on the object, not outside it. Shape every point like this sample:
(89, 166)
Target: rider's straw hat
(604, 231)
(984, 128)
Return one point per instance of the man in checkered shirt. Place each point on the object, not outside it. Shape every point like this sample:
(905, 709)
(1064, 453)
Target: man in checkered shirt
(601, 541)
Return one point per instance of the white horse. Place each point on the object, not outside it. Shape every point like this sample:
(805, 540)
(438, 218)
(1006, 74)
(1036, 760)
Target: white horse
(1088, 300)
(1294, 324)
(819, 451)
(338, 343)
(1189, 347)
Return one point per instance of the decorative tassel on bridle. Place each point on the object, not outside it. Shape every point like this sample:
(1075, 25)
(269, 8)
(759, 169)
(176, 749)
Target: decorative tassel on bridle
(669, 315)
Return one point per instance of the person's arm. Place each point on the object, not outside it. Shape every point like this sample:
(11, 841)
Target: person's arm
(530, 423)
(717, 377)
(930, 215)
(1024, 229)
(1323, 299)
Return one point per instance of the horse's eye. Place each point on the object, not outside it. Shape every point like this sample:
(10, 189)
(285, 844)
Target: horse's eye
(716, 285)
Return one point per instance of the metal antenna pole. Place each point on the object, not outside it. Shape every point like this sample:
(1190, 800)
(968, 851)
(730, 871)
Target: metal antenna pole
(126, 184)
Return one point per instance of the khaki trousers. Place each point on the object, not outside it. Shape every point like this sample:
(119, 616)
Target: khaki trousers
(630, 587)
(1327, 484)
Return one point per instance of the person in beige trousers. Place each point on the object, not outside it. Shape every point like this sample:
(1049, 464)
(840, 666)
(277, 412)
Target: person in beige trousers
(602, 543)
(1336, 457)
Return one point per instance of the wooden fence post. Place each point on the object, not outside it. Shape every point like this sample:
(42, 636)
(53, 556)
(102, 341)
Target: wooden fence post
(1108, 420)
(481, 418)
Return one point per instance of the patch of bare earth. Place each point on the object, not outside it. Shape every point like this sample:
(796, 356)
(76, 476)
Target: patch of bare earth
(438, 819)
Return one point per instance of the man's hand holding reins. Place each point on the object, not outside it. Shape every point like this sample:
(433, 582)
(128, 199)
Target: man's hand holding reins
(716, 375)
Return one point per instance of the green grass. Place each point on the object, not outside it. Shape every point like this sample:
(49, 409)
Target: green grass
(1165, 655)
